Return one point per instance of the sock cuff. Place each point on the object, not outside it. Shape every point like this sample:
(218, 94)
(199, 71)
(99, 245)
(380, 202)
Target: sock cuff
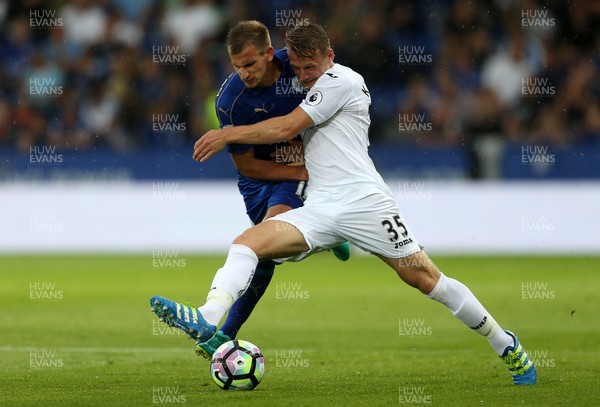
(489, 327)
(242, 249)
(440, 288)
(220, 297)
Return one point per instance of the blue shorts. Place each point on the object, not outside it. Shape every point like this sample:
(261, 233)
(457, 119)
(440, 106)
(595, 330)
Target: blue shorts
(271, 194)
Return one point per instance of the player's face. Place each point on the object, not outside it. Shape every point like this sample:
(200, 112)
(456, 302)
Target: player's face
(251, 65)
(308, 70)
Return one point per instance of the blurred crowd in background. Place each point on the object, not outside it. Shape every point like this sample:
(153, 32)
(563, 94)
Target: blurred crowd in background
(86, 74)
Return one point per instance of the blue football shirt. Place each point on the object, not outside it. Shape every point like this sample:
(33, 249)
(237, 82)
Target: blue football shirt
(238, 105)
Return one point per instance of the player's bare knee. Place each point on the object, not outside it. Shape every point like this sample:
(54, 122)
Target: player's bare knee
(243, 239)
(422, 279)
(422, 275)
(427, 282)
(429, 276)
(252, 244)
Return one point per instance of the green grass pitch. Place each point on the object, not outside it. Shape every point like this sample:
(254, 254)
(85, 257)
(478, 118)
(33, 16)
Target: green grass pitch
(77, 330)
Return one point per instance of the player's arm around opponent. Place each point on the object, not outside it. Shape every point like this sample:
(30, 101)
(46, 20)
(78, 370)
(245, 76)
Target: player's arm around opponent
(276, 129)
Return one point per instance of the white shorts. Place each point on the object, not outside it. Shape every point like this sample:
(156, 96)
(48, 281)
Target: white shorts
(372, 223)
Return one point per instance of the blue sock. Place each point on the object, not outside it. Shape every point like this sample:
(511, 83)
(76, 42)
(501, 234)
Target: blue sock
(242, 308)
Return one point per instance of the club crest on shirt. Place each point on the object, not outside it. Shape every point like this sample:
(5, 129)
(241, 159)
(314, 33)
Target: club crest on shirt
(314, 98)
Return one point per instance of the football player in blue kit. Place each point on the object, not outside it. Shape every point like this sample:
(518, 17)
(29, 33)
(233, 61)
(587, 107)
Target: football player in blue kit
(262, 86)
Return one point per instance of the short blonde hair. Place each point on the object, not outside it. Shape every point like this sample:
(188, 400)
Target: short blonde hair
(246, 33)
(305, 40)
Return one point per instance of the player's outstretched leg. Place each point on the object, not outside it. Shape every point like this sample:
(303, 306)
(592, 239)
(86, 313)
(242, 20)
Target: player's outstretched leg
(229, 283)
(183, 317)
(342, 252)
(419, 271)
(241, 310)
(467, 308)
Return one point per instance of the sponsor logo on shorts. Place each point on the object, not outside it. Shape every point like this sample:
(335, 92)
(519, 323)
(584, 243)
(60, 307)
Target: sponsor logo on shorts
(402, 243)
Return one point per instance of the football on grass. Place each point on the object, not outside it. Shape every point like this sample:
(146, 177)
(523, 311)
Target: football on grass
(237, 365)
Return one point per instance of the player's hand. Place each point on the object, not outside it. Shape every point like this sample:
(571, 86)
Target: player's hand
(208, 145)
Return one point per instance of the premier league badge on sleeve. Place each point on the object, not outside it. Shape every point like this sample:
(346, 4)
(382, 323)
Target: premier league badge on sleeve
(314, 98)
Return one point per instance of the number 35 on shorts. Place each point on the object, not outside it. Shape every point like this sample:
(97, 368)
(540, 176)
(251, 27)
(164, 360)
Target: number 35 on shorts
(396, 229)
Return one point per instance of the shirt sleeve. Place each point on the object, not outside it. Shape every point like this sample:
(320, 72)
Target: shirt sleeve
(226, 118)
(223, 111)
(330, 93)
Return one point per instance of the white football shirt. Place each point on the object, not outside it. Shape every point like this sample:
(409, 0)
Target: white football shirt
(336, 147)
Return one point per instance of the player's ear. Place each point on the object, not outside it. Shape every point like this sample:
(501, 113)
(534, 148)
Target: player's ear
(330, 54)
(270, 53)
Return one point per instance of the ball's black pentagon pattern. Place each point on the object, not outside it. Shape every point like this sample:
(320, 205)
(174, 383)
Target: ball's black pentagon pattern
(231, 377)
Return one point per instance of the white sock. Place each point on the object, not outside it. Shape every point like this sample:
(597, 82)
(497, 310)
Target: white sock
(229, 283)
(465, 306)
(212, 312)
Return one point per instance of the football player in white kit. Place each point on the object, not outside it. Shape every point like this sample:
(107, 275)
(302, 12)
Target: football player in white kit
(346, 200)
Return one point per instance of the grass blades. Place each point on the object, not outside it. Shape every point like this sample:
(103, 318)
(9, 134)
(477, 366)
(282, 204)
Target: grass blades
(77, 330)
